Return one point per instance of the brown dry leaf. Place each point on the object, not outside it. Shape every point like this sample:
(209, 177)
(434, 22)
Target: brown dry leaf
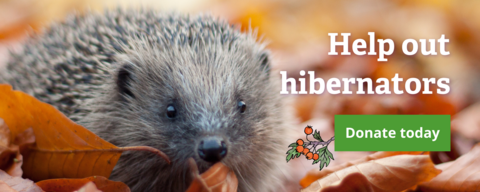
(462, 174)
(219, 178)
(7, 152)
(15, 168)
(63, 149)
(352, 182)
(10, 158)
(315, 174)
(394, 173)
(68, 185)
(17, 184)
(21, 140)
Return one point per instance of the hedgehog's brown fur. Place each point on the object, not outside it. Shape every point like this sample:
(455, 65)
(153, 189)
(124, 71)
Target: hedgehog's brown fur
(115, 74)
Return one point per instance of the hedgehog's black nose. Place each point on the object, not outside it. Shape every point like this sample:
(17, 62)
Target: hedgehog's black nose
(212, 149)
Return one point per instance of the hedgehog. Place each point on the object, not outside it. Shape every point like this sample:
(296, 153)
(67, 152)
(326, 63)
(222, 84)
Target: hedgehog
(191, 86)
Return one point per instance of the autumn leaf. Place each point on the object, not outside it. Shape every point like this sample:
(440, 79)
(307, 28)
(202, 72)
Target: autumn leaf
(67, 185)
(219, 178)
(10, 158)
(16, 184)
(7, 152)
(63, 149)
(315, 175)
(394, 173)
(462, 174)
(352, 182)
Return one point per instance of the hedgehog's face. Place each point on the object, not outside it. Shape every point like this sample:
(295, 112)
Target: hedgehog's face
(209, 105)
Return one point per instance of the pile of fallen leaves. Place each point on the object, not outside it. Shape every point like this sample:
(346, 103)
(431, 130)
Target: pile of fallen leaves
(398, 171)
(39, 144)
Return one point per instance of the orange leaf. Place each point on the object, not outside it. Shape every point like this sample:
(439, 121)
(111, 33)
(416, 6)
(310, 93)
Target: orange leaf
(219, 178)
(353, 182)
(57, 138)
(68, 185)
(314, 174)
(63, 149)
(462, 174)
(394, 173)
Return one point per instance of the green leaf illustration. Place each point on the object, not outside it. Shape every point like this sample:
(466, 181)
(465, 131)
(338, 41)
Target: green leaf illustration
(292, 153)
(324, 156)
(289, 156)
(317, 136)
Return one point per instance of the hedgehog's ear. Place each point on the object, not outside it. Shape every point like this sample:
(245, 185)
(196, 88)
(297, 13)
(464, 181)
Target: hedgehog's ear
(265, 62)
(124, 79)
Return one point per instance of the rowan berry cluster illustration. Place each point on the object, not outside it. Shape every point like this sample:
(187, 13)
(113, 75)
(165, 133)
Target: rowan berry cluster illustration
(309, 148)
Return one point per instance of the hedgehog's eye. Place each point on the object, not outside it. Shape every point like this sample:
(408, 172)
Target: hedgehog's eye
(171, 111)
(242, 106)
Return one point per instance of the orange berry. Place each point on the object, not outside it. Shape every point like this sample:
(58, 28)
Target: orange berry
(309, 155)
(315, 156)
(308, 130)
(299, 142)
(299, 148)
(305, 151)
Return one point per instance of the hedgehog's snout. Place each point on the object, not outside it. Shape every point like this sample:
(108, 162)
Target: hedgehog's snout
(212, 149)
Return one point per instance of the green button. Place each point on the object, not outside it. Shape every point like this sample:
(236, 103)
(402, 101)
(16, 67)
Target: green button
(392, 132)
